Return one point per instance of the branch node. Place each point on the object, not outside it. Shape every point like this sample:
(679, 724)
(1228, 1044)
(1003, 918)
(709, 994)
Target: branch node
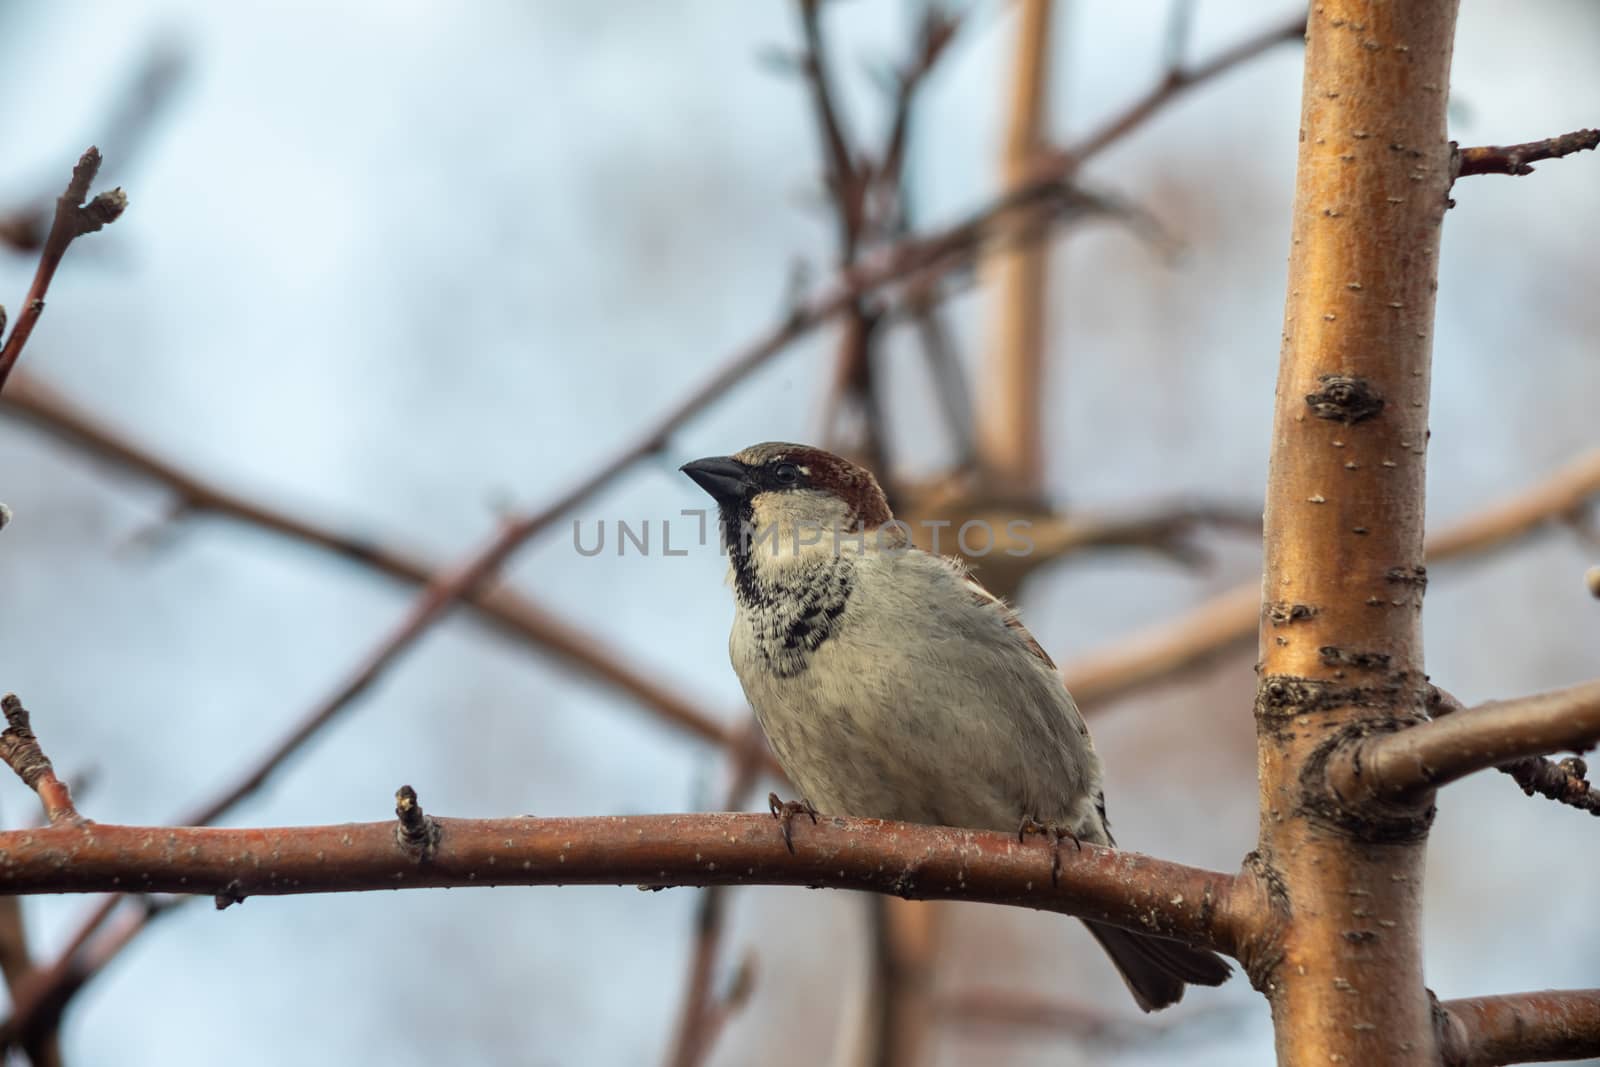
(232, 893)
(417, 832)
(102, 211)
(83, 175)
(1344, 399)
(19, 748)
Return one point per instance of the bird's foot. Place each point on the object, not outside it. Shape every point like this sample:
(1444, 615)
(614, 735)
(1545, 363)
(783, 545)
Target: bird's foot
(1056, 834)
(785, 811)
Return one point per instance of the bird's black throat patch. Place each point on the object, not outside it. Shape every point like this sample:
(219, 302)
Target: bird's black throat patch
(792, 610)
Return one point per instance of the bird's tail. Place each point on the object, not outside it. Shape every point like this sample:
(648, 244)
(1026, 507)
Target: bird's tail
(1155, 968)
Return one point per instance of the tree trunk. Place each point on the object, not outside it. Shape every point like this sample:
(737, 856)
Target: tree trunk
(1010, 412)
(1341, 648)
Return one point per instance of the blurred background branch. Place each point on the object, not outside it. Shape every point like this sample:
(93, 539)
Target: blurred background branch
(161, 395)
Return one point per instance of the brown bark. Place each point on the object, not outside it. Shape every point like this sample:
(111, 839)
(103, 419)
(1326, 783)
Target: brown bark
(703, 1013)
(19, 749)
(915, 862)
(1344, 534)
(1399, 765)
(73, 219)
(1517, 159)
(1520, 1028)
(1010, 412)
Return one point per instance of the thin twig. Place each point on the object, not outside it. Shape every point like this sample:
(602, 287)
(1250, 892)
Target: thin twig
(1024, 1013)
(507, 610)
(1176, 82)
(934, 34)
(851, 179)
(1228, 621)
(1515, 159)
(73, 219)
(19, 748)
(844, 177)
(124, 131)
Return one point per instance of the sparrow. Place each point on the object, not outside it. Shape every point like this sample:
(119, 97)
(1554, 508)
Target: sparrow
(890, 684)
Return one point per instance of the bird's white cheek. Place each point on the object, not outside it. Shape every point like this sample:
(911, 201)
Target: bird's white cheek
(796, 526)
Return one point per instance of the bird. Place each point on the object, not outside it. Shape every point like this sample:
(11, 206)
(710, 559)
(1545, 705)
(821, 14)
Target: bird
(890, 684)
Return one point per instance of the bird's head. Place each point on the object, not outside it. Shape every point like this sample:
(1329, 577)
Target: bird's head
(790, 494)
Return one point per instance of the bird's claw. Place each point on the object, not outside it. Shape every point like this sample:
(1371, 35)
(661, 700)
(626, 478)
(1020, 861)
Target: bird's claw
(1057, 834)
(785, 811)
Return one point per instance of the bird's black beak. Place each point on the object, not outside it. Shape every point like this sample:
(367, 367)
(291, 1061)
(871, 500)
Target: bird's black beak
(725, 478)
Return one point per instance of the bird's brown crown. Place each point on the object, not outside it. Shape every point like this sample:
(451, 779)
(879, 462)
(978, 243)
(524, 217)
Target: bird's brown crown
(826, 473)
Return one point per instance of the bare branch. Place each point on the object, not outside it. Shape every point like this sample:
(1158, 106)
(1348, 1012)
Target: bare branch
(1177, 82)
(853, 182)
(1025, 1012)
(1519, 1028)
(16, 964)
(1423, 757)
(916, 862)
(1009, 416)
(844, 178)
(1227, 622)
(913, 256)
(934, 34)
(506, 609)
(1565, 782)
(1515, 159)
(896, 1019)
(703, 1014)
(19, 748)
(73, 219)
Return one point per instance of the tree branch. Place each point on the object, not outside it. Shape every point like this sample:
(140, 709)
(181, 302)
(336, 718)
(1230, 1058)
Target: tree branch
(1515, 159)
(1419, 759)
(1009, 417)
(1519, 1028)
(1565, 782)
(1179, 80)
(843, 176)
(912, 257)
(17, 966)
(19, 748)
(73, 219)
(1228, 621)
(654, 851)
(703, 1013)
(1344, 534)
(509, 611)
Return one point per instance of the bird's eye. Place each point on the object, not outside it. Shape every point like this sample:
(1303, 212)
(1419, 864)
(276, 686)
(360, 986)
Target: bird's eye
(786, 474)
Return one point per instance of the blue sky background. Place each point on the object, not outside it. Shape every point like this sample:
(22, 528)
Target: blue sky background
(400, 264)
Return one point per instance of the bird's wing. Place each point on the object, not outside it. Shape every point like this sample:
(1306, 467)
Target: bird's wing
(984, 598)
